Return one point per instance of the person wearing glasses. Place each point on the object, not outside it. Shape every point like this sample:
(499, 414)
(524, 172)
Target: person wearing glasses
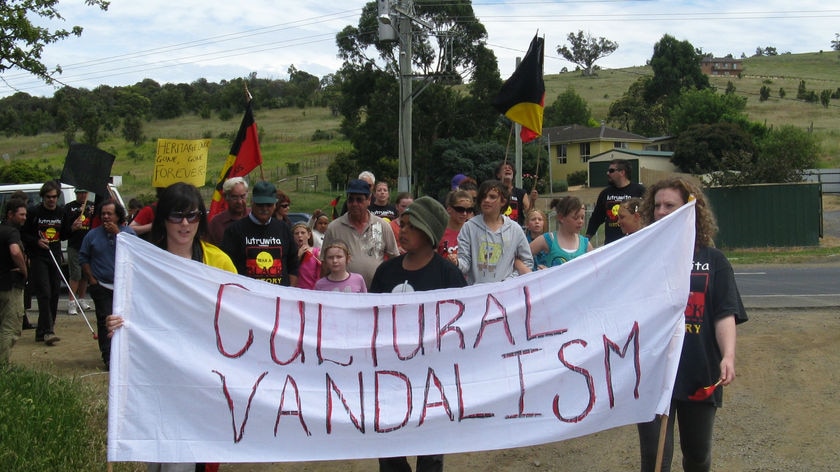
(41, 235)
(404, 199)
(179, 227)
(368, 237)
(620, 188)
(235, 190)
(260, 245)
(281, 208)
(459, 207)
(96, 257)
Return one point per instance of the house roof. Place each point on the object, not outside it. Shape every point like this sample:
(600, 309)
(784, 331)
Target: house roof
(607, 155)
(578, 133)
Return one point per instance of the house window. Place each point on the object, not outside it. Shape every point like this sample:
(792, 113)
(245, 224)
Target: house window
(584, 152)
(621, 145)
(562, 154)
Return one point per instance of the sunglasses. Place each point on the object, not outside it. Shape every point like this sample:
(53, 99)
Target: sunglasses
(178, 216)
(285, 205)
(611, 170)
(461, 209)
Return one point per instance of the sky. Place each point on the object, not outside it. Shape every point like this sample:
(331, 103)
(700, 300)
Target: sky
(181, 41)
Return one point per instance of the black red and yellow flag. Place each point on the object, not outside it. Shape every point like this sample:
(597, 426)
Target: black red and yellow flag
(522, 97)
(244, 157)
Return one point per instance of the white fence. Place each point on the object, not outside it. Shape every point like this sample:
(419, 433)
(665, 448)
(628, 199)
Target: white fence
(828, 178)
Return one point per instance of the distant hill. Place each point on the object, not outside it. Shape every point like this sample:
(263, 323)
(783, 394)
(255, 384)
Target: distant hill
(287, 133)
(820, 71)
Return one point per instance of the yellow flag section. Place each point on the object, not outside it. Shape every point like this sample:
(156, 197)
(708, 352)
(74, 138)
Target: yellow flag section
(180, 160)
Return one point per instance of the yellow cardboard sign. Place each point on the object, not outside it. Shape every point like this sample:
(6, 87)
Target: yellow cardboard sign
(180, 160)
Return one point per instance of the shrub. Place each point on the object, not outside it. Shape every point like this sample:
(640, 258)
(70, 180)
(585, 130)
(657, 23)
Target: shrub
(577, 178)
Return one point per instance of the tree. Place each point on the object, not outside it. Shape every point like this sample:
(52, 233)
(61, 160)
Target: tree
(635, 114)
(825, 98)
(676, 66)
(369, 84)
(704, 148)
(23, 41)
(763, 93)
(568, 109)
(705, 107)
(783, 153)
(586, 50)
(835, 43)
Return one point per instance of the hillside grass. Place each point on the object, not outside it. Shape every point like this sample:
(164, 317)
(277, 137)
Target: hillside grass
(286, 134)
(820, 71)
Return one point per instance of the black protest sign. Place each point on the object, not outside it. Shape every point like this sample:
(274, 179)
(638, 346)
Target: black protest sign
(88, 167)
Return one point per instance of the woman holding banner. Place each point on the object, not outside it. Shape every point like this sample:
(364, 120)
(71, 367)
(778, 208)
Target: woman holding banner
(708, 352)
(179, 225)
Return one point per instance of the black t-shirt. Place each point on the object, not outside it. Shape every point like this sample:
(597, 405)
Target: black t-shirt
(606, 210)
(263, 252)
(71, 212)
(8, 278)
(713, 296)
(438, 273)
(386, 212)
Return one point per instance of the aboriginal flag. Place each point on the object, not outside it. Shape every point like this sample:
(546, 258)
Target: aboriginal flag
(522, 98)
(244, 157)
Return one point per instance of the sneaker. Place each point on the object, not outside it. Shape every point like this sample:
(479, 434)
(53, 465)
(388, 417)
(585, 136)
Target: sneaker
(71, 307)
(84, 304)
(50, 339)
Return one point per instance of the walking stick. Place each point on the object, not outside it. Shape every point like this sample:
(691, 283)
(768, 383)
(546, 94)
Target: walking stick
(75, 300)
(660, 450)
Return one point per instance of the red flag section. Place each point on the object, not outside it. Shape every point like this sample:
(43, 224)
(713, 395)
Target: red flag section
(244, 157)
(522, 97)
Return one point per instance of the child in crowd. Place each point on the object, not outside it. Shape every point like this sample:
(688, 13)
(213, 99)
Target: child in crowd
(534, 228)
(309, 265)
(629, 216)
(491, 246)
(318, 224)
(336, 256)
(459, 207)
(566, 243)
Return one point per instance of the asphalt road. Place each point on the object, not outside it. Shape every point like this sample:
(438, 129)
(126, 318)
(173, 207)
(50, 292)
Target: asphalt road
(790, 286)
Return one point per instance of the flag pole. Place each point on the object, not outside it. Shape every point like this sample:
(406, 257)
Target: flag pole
(248, 98)
(660, 450)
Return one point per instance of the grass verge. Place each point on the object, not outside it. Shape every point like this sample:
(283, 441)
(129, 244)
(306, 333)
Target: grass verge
(49, 423)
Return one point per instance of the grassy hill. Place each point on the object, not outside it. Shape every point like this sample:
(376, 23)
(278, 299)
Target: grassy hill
(286, 134)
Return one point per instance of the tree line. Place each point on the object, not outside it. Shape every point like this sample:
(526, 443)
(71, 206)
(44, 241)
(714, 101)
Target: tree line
(123, 110)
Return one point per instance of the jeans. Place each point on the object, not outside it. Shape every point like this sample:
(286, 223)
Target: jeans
(46, 285)
(696, 422)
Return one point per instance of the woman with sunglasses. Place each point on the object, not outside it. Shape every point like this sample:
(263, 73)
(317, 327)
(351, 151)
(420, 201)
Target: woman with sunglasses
(179, 224)
(459, 206)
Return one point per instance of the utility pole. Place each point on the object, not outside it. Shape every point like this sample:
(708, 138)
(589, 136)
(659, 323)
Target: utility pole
(404, 180)
(395, 22)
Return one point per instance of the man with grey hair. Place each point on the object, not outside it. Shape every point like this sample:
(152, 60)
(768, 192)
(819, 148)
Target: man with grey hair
(235, 190)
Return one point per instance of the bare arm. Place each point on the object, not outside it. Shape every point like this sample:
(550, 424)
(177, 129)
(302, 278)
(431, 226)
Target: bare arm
(18, 258)
(725, 336)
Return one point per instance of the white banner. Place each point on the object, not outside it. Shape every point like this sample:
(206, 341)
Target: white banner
(214, 367)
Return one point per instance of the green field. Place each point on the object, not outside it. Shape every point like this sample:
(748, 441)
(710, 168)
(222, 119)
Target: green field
(285, 134)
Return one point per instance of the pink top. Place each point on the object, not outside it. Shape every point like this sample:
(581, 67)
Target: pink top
(354, 283)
